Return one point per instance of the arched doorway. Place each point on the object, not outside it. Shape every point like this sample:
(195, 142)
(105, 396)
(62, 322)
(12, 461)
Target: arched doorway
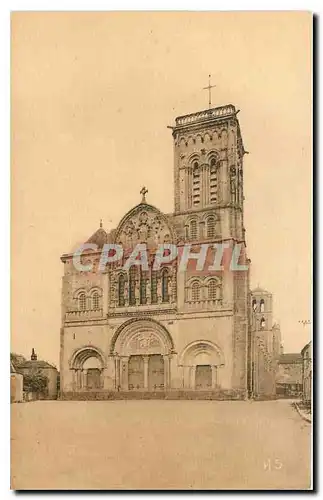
(87, 365)
(201, 361)
(142, 349)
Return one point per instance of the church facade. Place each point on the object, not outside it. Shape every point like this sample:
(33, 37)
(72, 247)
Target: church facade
(173, 329)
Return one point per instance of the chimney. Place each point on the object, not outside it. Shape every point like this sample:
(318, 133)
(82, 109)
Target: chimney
(33, 356)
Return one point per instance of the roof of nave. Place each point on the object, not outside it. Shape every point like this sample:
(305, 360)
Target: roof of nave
(290, 357)
(258, 289)
(99, 238)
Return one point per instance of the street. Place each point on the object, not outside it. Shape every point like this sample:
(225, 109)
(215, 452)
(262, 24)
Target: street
(159, 445)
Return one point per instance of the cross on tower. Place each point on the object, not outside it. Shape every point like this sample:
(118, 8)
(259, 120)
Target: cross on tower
(143, 192)
(209, 87)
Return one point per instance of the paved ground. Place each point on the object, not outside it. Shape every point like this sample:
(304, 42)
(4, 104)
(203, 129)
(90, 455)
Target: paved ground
(159, 445)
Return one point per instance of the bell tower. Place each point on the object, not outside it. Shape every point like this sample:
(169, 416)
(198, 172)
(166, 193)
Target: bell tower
(208, 167)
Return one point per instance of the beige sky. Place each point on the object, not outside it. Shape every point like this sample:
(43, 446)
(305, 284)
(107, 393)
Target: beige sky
(92, 94)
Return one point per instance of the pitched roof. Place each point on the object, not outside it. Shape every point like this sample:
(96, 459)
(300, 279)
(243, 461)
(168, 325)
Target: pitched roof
(99, 238)
(290, 357)
(36, 364)
(258, 289)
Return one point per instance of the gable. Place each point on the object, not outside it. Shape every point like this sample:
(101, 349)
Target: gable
(144, 224)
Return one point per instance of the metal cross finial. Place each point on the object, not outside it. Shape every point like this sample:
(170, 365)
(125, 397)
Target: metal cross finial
(101, 224)
(209, 87)
(143, 192)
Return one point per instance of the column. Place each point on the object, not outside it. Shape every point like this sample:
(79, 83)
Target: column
(192, 377)
(117, 373)
(214, 376)
(84, 379)
(74, 379)
(78, 379)
(166, 371)
(146, 361)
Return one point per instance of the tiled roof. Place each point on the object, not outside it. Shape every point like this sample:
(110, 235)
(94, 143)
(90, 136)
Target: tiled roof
(99, 238)
(290, 357)
(36, 364)
(259, 290)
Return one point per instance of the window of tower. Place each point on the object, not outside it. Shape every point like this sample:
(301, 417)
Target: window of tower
(262, 305)
(262, 322)
(196, 184)
(193, 229)
(213, 182)
(254, 305)
(210, 227)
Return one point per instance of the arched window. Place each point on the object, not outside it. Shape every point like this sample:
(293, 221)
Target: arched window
(153, 283)
(196, 291)
(210, 227)
(193, 229)
(95, 301)
(212, 290)
(262, 305)
(82, 301)
(165, 291)
(262, 322)
(196, 184)
(213, 182)
(254, 305)
(132, 286)
(121, 299)
(143, 288)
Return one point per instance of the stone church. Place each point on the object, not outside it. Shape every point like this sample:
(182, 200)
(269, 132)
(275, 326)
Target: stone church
(171, 332)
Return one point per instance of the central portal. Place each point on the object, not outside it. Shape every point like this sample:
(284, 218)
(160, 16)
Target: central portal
(143, 350)
(146, 373)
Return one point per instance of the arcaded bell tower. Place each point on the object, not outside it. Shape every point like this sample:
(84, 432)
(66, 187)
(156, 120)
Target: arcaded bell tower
(208, 167)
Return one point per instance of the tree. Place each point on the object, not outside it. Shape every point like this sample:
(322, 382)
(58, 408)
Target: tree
(17, 359)
(35, 382)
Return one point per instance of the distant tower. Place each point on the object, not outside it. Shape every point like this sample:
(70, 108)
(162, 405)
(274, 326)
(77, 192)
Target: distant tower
(33, 356)
(262, 309)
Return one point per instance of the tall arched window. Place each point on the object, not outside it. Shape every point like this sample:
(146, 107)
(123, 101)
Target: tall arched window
(262, 322)
(132, 286)
(82, 301)
(153, 288)
(143, 288)
(210, 227)
(165, 291)
(196, 291)
(193, 229)
(196, 184)
(254, 305)
(213, 182)
(212, 290)
(121, 286)
(95, 301)
(262, 305)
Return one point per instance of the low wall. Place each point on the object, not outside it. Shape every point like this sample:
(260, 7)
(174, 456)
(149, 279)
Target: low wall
(170, 395)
